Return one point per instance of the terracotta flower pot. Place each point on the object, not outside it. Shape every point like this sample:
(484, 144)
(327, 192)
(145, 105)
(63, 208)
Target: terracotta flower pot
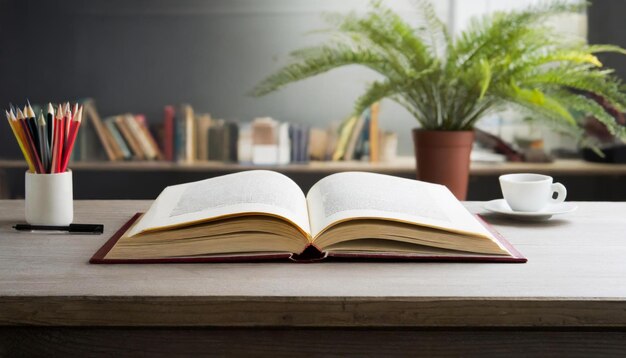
(443, 157)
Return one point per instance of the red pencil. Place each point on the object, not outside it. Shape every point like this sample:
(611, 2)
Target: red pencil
(67, 118)
(69, 145)
(59, 139)
(67, 122)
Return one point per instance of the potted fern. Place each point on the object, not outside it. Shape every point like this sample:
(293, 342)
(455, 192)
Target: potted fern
(448, 84)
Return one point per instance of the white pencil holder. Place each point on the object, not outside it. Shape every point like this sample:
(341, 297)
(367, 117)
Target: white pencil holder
(49, 199)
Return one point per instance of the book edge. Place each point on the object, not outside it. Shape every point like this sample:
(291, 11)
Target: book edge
(516, 257)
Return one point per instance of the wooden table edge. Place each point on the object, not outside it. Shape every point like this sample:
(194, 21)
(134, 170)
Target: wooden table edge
(222, 311)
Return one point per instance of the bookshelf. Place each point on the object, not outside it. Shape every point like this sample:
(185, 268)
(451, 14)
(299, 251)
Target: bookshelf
(145, 179)
(402, 164)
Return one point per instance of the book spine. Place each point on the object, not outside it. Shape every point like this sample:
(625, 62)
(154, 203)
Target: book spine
(140, 135)
(168, 133)
(92, 114)
(110, 124)
(231, 141)
(374, 135)
(190, 136)
(128, 136)
(362, 148)
(343, 138)
(113, 143)
(180, 138)
(354, 136)
(306, 136)
(143, 126)
(203, 122)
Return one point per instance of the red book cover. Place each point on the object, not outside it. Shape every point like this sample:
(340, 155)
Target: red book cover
(168, 133)
(310, 254)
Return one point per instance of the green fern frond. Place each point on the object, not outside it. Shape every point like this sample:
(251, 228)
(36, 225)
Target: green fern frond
(589, 106)
(384, 89)
(534, 98)
(597, 82)
(435, 28)
(604, 48)
(501, 58)
(316, 60)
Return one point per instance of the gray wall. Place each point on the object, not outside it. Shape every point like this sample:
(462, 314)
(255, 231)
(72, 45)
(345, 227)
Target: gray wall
(606, 26)
(139, 55)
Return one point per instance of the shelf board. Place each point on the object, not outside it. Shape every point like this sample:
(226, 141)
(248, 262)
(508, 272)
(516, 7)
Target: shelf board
(404, 165)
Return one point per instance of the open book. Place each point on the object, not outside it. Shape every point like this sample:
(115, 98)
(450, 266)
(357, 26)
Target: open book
(261, 214)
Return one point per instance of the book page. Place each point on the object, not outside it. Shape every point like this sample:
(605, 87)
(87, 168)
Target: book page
(255, 191)
(350, 195)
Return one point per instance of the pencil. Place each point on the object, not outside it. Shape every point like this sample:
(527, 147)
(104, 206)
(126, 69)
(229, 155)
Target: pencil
(75, 109)
(43, 140)
(58, 140)
(67, 117)
(30, 142)
(32, 124)
(41, 134)
(18, 136)
(74, 126)
(61, 135)
(50, 122)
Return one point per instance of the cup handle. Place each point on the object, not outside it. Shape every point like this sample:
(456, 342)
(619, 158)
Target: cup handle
(561, 192)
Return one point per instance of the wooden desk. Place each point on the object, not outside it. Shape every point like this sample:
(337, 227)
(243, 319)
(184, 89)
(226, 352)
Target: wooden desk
(570, 298)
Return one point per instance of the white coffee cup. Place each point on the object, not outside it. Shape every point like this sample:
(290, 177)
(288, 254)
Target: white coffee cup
(530, 192)
(49, 199)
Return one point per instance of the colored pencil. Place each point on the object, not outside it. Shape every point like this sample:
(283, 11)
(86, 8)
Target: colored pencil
(43, 140)
(58, 140)
(31, 143)
(74, 126)
(46, 141)
(50, 122)
(18, 136)
(32, 124)
(67, 117)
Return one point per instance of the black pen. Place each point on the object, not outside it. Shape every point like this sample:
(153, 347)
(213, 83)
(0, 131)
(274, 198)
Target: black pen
(95, 229)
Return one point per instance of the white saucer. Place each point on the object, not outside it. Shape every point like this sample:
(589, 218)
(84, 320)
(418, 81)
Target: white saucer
(500, 206)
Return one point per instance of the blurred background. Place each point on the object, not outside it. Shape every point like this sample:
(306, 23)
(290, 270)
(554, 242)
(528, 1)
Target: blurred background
(141, 55)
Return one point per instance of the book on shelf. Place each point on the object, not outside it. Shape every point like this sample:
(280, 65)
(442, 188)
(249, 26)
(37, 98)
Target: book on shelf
(148, 137)
(355, 136)
(231, 137)
(345, 132)
(184, 135)
(332, 138)
(122, 124)
(318, 144)
(216, 140)
(94, 124)
(244, 143)
(285, 144)
(203, 122)
(265, 146)
(187, 136)
(263, 215)
(119, 141)
(374, 135)
(167, 139)
(299, 142)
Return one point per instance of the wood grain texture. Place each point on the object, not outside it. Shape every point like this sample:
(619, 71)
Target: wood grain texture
(575, 277)
(167, 342)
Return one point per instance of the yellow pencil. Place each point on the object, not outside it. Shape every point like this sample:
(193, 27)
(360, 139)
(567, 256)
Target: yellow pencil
(17, 132)
(24, 139)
